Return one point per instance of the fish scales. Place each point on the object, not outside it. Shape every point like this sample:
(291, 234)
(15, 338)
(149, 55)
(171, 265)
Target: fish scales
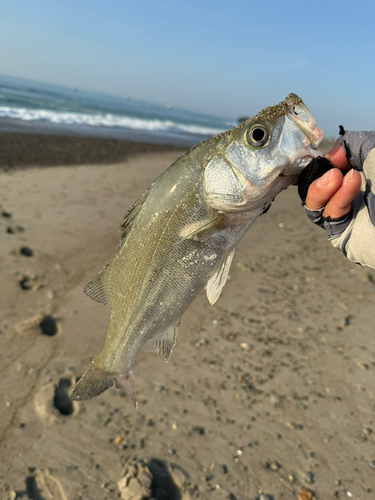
(181, 234)
(171, 279)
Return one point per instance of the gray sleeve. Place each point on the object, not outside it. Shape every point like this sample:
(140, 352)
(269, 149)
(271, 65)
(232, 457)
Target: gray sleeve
(357, 242)
(357, 146)
(333, 227)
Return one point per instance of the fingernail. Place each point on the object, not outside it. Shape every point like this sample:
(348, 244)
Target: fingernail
(325, 180)
(348, 177)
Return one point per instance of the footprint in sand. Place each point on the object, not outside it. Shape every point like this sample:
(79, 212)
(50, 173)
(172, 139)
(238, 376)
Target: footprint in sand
(153, 479)
(52, 403)
(39, 324)
(41, 485)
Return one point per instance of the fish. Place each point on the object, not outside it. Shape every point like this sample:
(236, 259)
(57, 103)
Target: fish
(181, 234)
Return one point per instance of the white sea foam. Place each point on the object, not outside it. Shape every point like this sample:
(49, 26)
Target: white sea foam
(103, 120)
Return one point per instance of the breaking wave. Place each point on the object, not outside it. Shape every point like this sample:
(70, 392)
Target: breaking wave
(104, 120)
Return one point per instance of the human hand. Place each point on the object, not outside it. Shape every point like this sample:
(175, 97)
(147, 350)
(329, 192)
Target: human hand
(336, 189)
(337, 193)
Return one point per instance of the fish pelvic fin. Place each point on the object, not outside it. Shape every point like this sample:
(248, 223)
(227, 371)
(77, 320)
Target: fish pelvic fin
(217, 281)
(96, 380)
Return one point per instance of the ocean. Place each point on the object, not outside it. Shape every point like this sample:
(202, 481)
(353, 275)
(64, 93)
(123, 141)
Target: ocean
(28, 106)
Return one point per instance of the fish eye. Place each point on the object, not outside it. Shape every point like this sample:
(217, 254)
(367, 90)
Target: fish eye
(257, 135)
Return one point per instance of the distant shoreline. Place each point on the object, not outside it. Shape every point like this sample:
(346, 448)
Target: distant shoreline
(20, 150)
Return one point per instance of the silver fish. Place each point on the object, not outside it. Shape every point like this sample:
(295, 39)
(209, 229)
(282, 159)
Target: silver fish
(181, 234)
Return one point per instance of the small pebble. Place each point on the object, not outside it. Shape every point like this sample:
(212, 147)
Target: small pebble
(372, 464)
(362, 366)
(6, 214)
(273, 465)
(27, 283)
(305, 495)
(265, 497)
(201, 342)
(198, 429)
(309, 476)
(367, 431)
(15, 229)
(26, 251)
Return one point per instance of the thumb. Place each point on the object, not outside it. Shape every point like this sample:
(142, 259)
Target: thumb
(322, 190)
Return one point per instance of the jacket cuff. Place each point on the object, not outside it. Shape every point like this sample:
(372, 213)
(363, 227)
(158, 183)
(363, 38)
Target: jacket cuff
(335, 227)
(315, 216)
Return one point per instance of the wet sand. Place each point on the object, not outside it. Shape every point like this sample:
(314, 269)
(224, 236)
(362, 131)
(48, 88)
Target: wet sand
(269, 394)
(20, 150)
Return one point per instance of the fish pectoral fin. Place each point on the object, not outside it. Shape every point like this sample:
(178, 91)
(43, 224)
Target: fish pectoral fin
(217, 281)
(98, 287)
(164, 342)
(199, 230)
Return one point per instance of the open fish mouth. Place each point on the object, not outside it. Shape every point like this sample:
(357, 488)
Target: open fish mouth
(302, 117)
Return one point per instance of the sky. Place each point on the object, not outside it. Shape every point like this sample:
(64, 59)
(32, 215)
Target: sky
(224, 58)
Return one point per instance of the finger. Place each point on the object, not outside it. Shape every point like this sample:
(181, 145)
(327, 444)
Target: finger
(321, 190)
(341, 201)
(337, 157)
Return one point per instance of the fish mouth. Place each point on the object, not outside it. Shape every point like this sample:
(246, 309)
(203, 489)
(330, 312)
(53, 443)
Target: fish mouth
(304, 120)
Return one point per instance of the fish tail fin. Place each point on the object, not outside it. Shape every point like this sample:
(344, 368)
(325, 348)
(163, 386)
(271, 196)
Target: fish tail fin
(93, 382)
(96, 380)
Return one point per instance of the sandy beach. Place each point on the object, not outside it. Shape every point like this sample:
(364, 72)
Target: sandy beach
(269, 394)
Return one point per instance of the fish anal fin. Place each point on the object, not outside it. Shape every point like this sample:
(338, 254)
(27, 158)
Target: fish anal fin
(130, 217)
(202, 229)
(164, 342)
(217, 281)
(98, 287)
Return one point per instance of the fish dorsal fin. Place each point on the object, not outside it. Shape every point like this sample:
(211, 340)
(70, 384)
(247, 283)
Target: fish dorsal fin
(217, 281)
(130, 217)
(164, 342)
(98, 287)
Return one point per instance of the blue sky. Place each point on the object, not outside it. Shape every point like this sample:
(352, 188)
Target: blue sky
(223, 58)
